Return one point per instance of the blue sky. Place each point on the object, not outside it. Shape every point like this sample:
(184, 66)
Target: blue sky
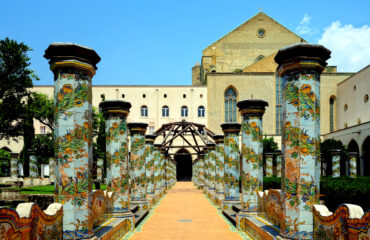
(157, 42)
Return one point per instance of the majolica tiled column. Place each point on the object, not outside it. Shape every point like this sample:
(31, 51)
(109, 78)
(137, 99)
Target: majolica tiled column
(252, 151)
(278, 163)
(52, 170)
(206, 171)
(157, 172)
(167, 170)
(269, 157)
(232, 164)
(115, 114)
(212, 169)
(100, 165)
(149, 161)
(137, 162)
(219, 179)
(201, 171)
(33, 163)
(300, 66)
(14, 165)
(162, 170)
(73, 67)
(335, 157)
(353, 163)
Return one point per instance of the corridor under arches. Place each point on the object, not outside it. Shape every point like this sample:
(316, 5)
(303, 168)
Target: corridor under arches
(184, 165)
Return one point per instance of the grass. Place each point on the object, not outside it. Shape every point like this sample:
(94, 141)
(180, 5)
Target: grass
(46, 189)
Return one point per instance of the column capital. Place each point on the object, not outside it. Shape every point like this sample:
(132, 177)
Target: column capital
(72, 55)
(211, 146)
(353, 154)
(269, 154)
(31, 151)
(14, 155)
(137, 127)
(231, 127)
(157, 146)
(335, 151)
(219, 138)
(114, 107)
(301, 56)
(252, 107)
(150, 138)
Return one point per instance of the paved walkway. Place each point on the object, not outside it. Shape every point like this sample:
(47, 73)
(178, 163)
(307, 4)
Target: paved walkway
(185, 214)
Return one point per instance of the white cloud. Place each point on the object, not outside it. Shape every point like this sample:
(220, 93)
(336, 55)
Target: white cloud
(304, 28)
(349, 46)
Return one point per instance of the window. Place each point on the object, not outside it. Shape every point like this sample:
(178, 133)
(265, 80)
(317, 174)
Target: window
(144, 111)
(165, 111)
(184, 111)
(261, 32)
(201, 96)
(331, 119)
(144, 95)
(151, 129)
(184, 96)
(230, 105)
(165, 95)
(123, 95)
(345, 107)
(366, 98)
(42, 130)
(201, 111)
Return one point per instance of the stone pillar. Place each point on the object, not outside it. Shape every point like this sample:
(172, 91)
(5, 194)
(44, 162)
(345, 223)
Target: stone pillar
(232, 164)
(335, 158)
(353, 164)
(206, 171)
(278, 163)
(73, 67)
(14, 165)
(252, 151)
(211, 170)
(115, 114)
(137, 163)
(100, 165)
(269, 157)
(149, 161)
(52, 170)
(219, 179)
(33, 164)
(157, 172)
(201, 179)
(300, 66)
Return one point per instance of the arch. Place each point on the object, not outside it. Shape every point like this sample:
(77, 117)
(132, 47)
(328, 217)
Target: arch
(353, 147)
(165, 111)
(184, 111)
(144, 111)
(260, 57)
(366, 156)
(201, 111)
(332, 102)
(6, 149)
(230, 100)
(184, 165)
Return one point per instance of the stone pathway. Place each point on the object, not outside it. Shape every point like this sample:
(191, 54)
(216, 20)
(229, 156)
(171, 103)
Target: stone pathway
(185, 214)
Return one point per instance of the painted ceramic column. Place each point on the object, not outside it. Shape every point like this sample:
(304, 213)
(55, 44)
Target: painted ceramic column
(14, 165)
(232, 164)
(335, 157)
(33, 163)
(115, 114)
(252, 151)
(100, 165)
(73, 67)
(206, 171)
(269, 164)
(137, 162)
(278, 163)
(52, 170)
(219, 179)
(149, 161)
(157, 173)
(167, 170)
(162, 170)
(353, 164)
(201, 171)
(300, 66)
(212, 169)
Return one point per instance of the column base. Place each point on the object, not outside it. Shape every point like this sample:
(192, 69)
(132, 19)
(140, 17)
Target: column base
(151, 198)
(142, 204)
(200, 186)
(211, 193)
(218, 198)
(228, 204)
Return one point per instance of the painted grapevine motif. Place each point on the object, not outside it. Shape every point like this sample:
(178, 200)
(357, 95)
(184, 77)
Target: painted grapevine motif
(137, 162)
(220, 168)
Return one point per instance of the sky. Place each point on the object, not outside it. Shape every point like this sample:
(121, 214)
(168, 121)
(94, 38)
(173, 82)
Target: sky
(158, 42)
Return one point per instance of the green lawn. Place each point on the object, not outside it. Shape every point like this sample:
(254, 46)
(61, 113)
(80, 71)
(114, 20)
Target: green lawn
(47, 189)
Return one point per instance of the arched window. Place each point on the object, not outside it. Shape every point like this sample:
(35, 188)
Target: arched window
(331, 117)
(165, 111)
(201, 111)
(144, 111)
(184, 111)
(230, 105)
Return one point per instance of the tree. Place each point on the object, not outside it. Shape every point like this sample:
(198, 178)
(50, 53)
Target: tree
(269, 145)
(4, 163)
(16, 80)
